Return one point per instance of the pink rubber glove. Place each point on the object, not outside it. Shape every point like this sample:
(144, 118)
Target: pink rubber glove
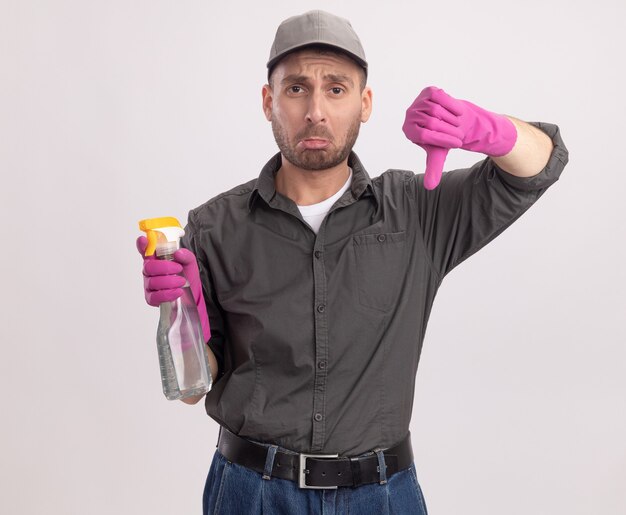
(163, 283)
(438, 122)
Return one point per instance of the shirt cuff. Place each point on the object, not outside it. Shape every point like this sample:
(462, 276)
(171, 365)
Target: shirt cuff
(550, 174)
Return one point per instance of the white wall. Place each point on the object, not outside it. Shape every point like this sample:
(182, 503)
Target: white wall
(113, 111)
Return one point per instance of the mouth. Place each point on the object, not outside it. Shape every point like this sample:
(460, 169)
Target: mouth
(313, 143)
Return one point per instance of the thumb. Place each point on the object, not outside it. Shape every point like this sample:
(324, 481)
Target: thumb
(185, 257)
(190, 265)
(435, 158)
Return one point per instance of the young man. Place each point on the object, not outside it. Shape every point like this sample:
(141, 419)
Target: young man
(317, 281)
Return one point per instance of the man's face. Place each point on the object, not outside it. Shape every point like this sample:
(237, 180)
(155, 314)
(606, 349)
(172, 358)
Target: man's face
(316, 107)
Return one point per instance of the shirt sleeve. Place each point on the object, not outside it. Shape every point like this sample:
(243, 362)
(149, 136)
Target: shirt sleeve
(471, 206)
(214, 310)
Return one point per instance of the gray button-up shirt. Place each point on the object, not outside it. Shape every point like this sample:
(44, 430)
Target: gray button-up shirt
(318, 337)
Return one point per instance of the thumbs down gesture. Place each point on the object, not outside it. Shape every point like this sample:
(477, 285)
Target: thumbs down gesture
(438, 122)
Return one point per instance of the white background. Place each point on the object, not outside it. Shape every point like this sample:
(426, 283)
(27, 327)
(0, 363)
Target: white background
(113, 111)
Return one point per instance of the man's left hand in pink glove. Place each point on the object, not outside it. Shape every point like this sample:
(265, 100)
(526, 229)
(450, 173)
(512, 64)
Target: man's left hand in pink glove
(438, 122)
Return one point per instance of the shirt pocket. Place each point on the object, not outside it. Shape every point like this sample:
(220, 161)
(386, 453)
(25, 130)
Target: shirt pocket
(380, 266)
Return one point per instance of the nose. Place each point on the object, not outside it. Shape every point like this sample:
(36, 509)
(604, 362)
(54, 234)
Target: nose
(316, 111)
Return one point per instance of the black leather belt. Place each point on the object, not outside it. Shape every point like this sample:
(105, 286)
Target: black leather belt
(316, 471)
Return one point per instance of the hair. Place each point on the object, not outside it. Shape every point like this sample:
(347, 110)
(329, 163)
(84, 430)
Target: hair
(322, 50)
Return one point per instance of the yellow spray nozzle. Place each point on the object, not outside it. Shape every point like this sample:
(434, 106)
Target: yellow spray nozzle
(166, 228)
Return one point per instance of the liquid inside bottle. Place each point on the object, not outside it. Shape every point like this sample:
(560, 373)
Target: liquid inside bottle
(182, 352)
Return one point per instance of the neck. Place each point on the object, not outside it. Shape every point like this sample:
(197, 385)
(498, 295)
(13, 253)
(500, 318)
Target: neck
(306, 187)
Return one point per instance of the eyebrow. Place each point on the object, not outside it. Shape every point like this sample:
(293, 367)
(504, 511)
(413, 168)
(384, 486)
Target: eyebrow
(330, 77)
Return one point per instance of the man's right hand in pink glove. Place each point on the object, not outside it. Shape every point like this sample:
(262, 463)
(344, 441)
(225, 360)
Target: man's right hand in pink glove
(163, 281)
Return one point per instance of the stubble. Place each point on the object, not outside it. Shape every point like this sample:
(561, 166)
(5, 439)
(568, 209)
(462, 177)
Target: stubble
(309, 159)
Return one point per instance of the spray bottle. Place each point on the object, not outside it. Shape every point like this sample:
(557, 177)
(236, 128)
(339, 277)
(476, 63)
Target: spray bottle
(182, 352)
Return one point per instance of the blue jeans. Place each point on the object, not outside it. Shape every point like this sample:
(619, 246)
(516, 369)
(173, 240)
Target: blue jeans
(232, 489)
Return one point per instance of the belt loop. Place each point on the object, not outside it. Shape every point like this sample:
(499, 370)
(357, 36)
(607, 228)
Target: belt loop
(382, 467)
(356, 471)
(269, 461)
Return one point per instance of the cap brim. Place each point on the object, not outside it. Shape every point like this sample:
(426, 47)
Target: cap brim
(272, 62)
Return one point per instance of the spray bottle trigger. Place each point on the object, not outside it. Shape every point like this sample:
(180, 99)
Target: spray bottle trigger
(152, 242)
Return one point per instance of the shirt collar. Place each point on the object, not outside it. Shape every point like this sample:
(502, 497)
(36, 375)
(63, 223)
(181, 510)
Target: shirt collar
(265, 187)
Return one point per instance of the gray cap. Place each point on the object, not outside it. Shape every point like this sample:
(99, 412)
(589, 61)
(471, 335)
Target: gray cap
(316, 27)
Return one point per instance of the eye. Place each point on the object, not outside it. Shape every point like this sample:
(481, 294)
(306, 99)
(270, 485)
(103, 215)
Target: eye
(295, 89)
(336, 90)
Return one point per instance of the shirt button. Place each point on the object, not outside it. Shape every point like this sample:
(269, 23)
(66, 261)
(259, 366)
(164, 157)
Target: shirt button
(321, 308)
(381, 237)
(322, 364)
(318, 254)
(318, 417)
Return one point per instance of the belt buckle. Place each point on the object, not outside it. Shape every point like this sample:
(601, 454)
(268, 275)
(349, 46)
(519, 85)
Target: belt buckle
(302, 468)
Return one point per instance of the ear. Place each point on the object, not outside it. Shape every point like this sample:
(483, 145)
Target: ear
(366, 104)
(267, 95)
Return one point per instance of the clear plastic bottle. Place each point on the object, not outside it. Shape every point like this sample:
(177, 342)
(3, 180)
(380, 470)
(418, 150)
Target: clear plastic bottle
(183, 357)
